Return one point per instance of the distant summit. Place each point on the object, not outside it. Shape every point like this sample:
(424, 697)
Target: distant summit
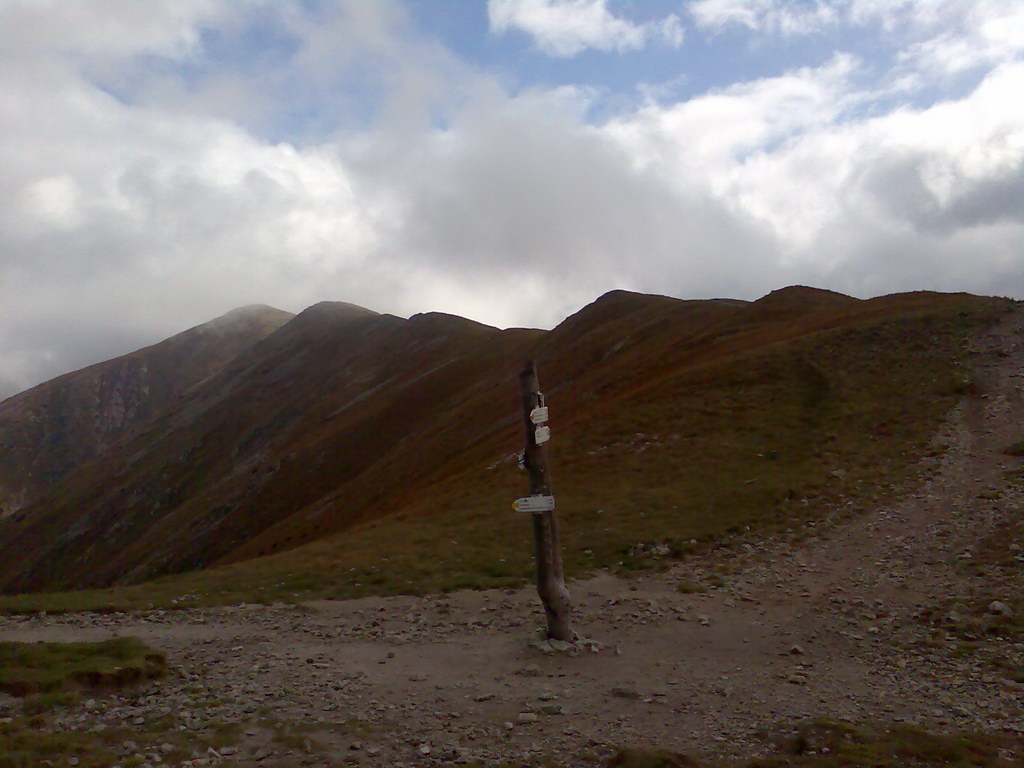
(335, 311)
(251, 314)
(804, 297)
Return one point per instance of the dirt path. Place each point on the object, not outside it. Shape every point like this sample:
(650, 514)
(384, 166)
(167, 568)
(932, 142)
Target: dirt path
(817, 626)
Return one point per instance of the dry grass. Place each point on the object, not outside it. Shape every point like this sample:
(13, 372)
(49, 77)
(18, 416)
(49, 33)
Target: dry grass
(764, 424)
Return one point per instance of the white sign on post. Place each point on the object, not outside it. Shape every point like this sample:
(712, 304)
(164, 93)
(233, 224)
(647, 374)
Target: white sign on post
(541, 435)
(539, 415)
(534, 504)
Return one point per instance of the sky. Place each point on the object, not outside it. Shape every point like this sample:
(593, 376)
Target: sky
(164, 162)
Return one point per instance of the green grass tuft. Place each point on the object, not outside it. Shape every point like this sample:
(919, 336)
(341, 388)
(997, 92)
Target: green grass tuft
(43, 668)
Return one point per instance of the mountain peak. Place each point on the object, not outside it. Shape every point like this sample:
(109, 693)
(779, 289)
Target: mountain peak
(442, 321)
(804, 296)
(337, 309)
(253, 310)
(260, 317)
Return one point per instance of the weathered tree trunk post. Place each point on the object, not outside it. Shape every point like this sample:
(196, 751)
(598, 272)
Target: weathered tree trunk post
(550, 578)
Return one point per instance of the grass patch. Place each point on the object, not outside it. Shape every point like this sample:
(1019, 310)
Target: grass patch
(24, 746)
(41, 668)
(835, 745)
(830, 745)
(39, 703)
(30, 742)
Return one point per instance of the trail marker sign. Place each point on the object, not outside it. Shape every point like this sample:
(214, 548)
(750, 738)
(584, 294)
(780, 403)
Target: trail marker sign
(536, 503)
(550, 577)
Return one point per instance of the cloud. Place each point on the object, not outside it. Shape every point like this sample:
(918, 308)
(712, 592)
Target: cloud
(850, 197)
(565, 28)
(959, 37)
(940, 36)
(777, 16)
(160, 170)
(713, 130)
(104, 28)
(522, 187)
(924, 186)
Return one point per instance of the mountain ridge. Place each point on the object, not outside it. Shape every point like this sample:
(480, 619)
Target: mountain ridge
(343, 419)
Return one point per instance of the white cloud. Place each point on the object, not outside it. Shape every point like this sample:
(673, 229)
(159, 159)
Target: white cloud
(670, 29)
(915, 197)
(521, 187)
(711, 132)
(567, 27)
(965, 36)
(778, 16)
(942, 36)
(130, 221)
(151, 183)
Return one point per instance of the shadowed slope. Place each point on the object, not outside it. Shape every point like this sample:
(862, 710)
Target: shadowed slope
(47, 431)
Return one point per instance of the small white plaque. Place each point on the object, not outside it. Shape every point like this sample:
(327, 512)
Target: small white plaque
(541, 435)
(534, 504)
(539, 415)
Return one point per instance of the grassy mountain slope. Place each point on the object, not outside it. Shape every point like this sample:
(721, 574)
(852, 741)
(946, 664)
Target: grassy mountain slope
(51, 429)
(350, 453)
(301, 414)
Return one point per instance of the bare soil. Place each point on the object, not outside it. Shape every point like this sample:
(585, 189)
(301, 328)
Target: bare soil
(833, 620)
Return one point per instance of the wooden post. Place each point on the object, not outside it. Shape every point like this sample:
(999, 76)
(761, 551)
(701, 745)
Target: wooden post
(548, 555)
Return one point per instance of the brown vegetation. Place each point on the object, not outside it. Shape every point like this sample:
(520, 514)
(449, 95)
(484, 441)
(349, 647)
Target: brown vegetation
(332, 456)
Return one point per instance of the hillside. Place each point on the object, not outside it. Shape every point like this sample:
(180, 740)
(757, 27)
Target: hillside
(335, 454)
(49, 430)
(882, 634)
